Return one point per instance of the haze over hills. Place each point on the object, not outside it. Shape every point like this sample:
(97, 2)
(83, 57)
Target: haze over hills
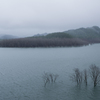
(84, 33)
(2, 37)
(76, 37)
(90, 32)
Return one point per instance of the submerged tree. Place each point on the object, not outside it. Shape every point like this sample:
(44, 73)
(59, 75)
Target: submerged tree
(77, 76)
(85, 76)
(46, 78)
(95, 74)
(49, 78)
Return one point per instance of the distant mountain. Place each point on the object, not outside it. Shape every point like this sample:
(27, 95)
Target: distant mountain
(58, 35)
(76, 37)
(2, 37)
(53, 35)
(87, 33)
(37, 35)
(83, 33)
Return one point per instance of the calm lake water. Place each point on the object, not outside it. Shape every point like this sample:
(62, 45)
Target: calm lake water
(21, 71)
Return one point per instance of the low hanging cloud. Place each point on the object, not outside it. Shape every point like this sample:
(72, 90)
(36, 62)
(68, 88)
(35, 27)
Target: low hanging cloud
(29, 17)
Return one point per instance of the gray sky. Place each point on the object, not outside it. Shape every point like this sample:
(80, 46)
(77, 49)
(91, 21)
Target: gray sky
(29, 17)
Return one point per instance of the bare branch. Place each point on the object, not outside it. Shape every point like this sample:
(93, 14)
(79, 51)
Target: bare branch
(49, 78)
(95, 74)
(77, 76)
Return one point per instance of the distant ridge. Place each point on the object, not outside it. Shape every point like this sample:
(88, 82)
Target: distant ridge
(83, 33)
(87, 33)
(2, 37)
(76, 37)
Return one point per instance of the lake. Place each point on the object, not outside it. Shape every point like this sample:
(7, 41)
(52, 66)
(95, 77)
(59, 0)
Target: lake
(22, 69)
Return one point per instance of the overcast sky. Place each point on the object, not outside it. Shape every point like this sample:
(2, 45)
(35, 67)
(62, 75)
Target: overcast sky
(29, 17)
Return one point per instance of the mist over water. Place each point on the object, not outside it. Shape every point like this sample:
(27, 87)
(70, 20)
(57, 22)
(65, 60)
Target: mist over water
(21, 71)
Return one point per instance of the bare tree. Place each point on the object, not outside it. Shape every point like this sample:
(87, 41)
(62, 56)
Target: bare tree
(85, 76)
(95, 74)
(46, 78)
(49, 78)
(77, 76)
(55, 77)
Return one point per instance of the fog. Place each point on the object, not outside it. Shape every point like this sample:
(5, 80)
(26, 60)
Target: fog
(29, 17)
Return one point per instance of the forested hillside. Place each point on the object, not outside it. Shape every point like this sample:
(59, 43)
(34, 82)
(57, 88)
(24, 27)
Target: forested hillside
(78, 37)
(42, 42)
(85, 33)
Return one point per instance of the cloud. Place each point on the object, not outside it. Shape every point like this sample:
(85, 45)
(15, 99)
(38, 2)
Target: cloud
(28, 17)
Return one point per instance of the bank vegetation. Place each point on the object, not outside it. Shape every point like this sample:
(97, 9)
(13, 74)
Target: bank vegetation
(43, 42)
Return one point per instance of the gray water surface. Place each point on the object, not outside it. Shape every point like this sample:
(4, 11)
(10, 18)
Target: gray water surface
(21, 71)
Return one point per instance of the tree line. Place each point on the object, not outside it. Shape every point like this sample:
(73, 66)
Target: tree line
(43, 42)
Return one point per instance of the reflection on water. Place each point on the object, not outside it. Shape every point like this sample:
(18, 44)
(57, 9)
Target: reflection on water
(95, 93)
(21, 73)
